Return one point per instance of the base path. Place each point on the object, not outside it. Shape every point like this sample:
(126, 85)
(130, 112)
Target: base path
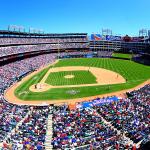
(103, 77)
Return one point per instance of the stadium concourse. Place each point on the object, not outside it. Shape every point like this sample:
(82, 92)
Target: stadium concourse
(107, 123)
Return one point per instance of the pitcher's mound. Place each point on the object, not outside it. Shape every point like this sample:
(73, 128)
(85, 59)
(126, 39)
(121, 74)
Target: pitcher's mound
(69, 76)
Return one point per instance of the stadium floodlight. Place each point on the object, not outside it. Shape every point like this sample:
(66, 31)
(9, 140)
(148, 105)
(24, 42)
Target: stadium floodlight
(9, 26)
(34, 30)
(143, 32)
(106, 31)
(21, 28)
(38, 31)
(15, 28)
(12, 27)
(31, 30)
(41, 31)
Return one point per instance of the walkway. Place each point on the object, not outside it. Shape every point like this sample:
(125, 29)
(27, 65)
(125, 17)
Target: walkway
(49, 133)
(13, 130)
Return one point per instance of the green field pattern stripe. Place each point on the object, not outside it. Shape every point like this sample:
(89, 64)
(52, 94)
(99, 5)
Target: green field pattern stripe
(120, 55)
(80, 77)
(134, 73)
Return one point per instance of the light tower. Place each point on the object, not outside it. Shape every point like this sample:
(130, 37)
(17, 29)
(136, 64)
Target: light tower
(143, 32)
(16, 28)
(106, 32)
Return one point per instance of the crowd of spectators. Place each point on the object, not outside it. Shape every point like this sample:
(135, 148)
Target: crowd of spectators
(102, 53)
(11, 73)
(75, 54)
(22, 127)
(30, 134)
(83, 128)
(130, 115)
(8, 41)
(10, 50)
(10, 115)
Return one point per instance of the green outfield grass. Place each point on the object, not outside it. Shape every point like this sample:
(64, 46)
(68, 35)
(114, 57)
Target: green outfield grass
(134, 73)
(80, 77)
(121, 55)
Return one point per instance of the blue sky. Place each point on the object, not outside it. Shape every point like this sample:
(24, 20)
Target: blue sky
(61, 16)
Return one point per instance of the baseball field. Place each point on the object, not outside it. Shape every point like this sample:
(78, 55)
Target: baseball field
(80, 78)
(121, 55)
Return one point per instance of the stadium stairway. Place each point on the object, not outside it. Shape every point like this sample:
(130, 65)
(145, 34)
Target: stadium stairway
(49, 133)
(126, 139)
(13, 130)
(20, 123)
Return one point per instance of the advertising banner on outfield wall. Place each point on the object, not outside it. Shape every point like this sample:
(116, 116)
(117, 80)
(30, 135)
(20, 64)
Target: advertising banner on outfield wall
(98, 102)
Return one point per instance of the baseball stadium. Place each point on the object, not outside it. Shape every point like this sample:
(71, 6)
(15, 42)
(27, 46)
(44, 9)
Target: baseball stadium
(74, 90)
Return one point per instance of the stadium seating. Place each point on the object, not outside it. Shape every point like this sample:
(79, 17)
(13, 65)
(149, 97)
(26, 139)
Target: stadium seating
(105, 53)
(10, 116)
(9, 41)
(122, 124)
(30, 134)
(12, 72)
(10, 50)
(84, 128)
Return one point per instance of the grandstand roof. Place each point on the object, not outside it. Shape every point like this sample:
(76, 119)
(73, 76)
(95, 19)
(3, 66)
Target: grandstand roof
(17, 33)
